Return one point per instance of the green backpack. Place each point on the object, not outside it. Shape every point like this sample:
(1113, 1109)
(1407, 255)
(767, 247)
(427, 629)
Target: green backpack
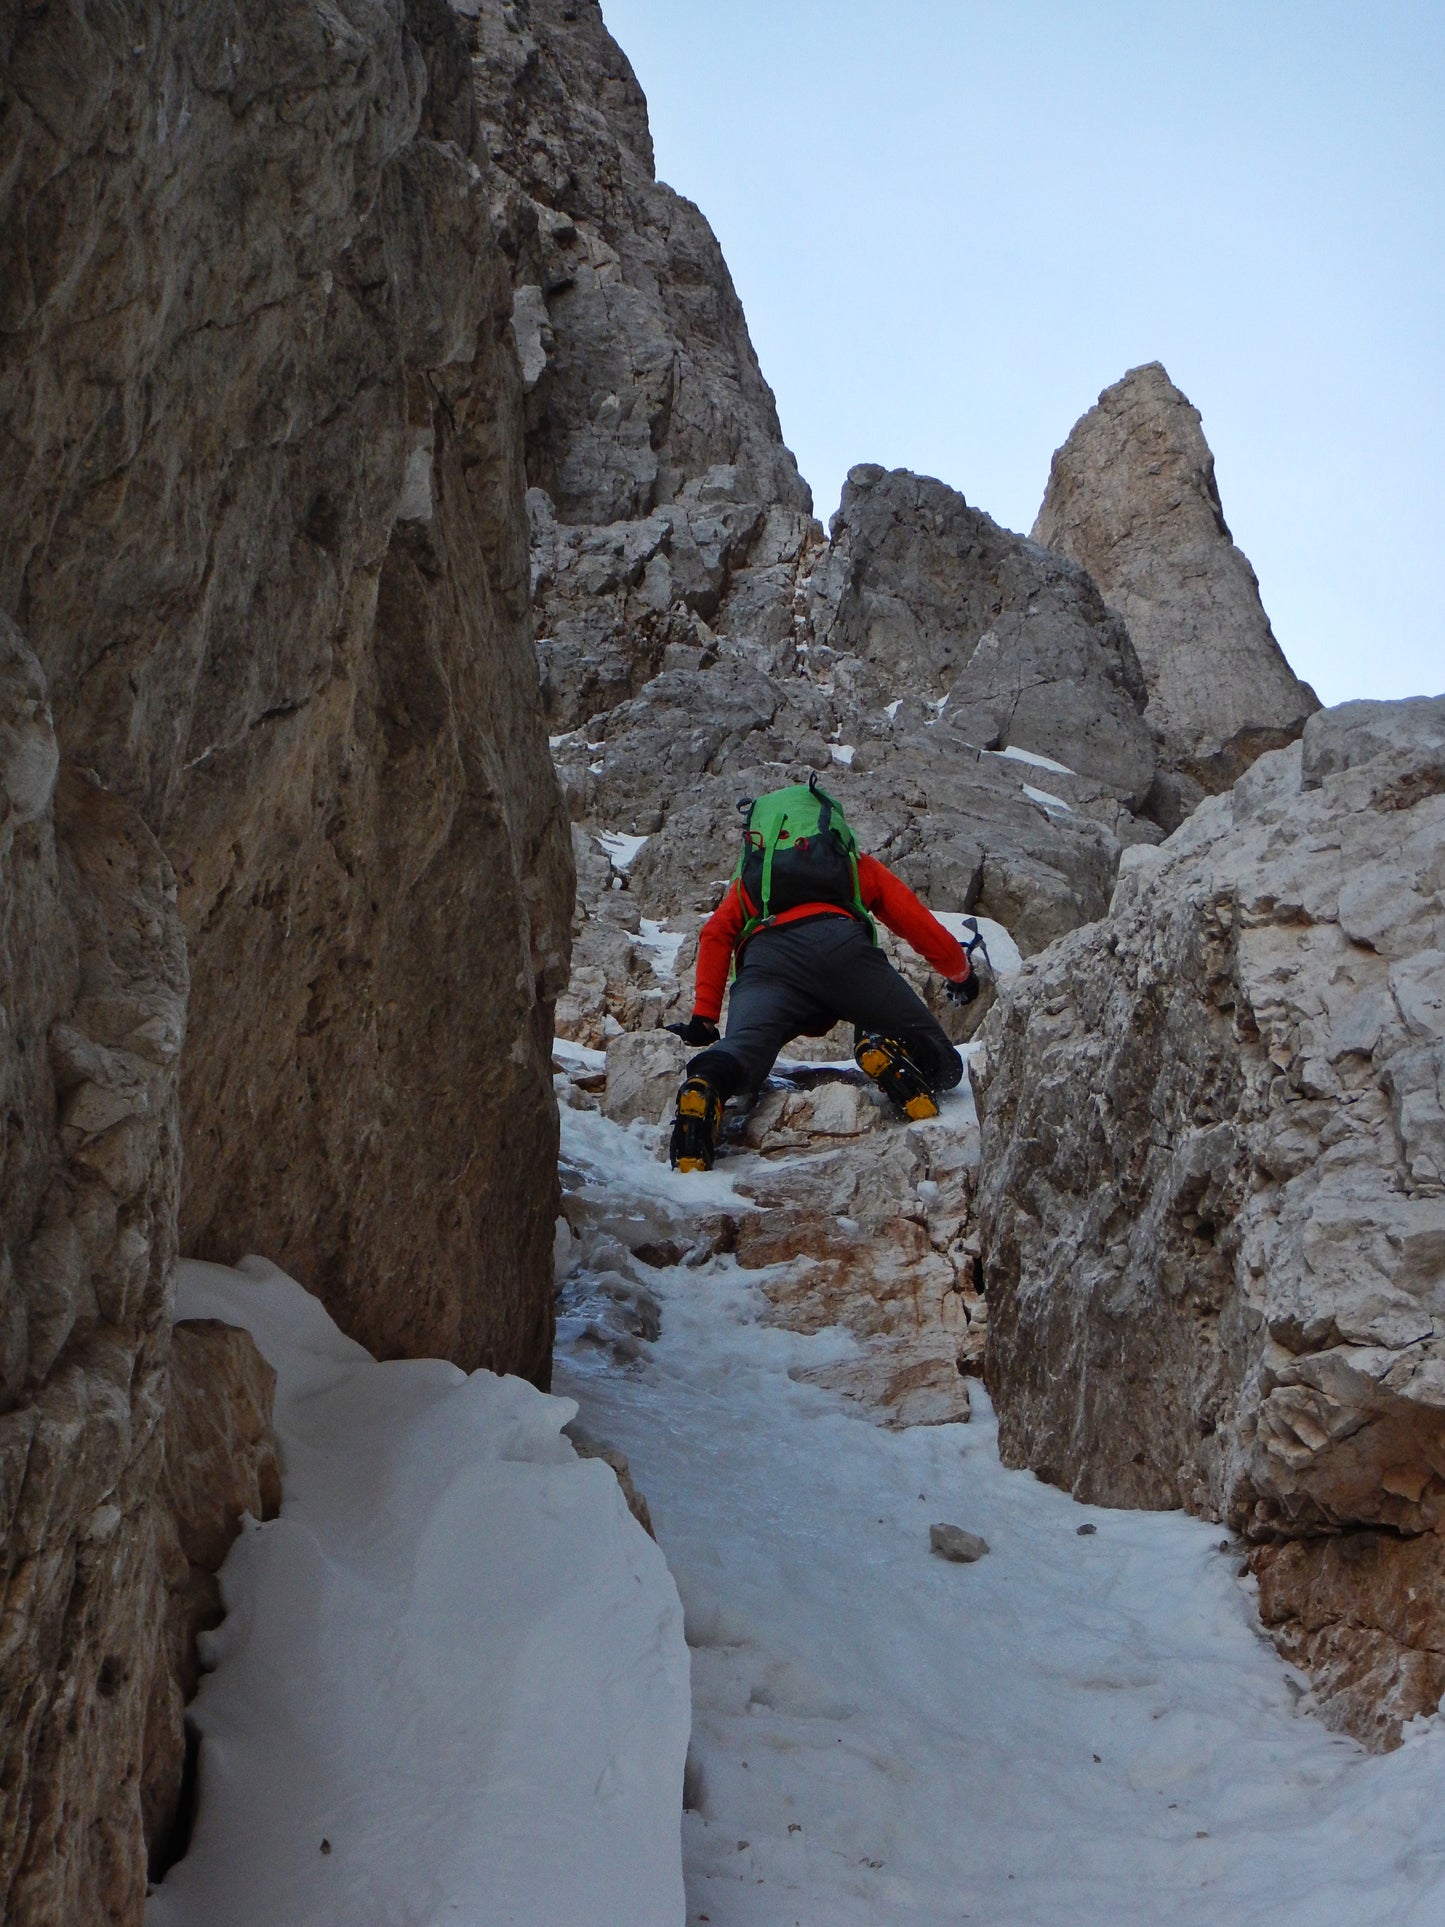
(798, 848)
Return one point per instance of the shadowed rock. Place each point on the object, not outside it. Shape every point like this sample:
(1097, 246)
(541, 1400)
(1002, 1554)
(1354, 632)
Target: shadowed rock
(93, 968)
(270, 541)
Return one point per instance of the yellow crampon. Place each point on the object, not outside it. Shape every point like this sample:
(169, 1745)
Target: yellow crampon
(695, 1126)
(894, 1072)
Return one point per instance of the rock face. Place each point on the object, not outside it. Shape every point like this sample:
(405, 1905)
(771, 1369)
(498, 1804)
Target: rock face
(220, 1463)
(970, 700)
(971, 697)
(659, 477)
(1212, 1196)
(269, 709)
(92, 999)
(944, 603)
(1132, 497)
(262, 521)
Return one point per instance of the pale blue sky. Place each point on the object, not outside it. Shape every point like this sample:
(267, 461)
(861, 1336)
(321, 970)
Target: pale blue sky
(952, 222)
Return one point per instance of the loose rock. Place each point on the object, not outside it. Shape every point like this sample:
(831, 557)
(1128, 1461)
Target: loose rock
(952, 1542)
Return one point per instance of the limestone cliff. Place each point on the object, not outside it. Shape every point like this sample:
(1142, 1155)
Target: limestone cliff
(261, 520)
(1212, 1196)
(1132, 496)
(698, 638)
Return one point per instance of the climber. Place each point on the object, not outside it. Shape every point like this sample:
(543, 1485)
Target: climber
(797, 918)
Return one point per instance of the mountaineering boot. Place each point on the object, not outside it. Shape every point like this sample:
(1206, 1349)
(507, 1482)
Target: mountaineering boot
(896, 1075)
(695, 1127)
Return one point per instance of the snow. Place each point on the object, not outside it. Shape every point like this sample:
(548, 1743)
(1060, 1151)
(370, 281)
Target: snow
(842, 752)
(663, 943)
(1016, 755)
(1081, 1729)
(1003, 952)
(457, 1660)
(620, 847)
(1055, 805)
(582, 1055)
(890, 710)
(455, 1657)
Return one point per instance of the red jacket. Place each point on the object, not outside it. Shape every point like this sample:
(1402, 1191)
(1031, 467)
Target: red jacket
(884, 895)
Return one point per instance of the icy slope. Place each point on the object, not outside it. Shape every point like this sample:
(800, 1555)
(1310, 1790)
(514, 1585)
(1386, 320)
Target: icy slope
(452, 1686)
(1081, 1729)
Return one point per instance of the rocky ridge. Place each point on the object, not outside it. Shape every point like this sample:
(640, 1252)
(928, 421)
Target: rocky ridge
(1212, 1197)
(699, 638)
(987, 744)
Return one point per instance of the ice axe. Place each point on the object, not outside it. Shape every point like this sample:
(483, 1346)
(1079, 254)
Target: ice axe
(967, 991)
(976, 942)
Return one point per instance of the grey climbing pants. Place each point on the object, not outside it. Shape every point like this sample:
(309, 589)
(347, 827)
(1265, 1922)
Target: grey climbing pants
(799, 979)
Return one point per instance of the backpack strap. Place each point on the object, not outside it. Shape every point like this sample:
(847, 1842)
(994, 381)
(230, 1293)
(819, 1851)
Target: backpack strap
(769, 847)
(826, 806)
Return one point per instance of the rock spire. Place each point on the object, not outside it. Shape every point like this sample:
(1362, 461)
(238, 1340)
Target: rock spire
(1132, 496)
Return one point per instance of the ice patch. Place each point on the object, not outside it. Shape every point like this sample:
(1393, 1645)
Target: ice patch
(620, 847)
(1015, 755)
(451, 1683)
(664, 945)
(1055, 805)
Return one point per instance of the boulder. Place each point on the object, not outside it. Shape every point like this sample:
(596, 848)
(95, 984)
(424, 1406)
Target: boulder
(964, 1548)
(863, 1229)
(644, 1069)
(1132, 497)
(1212, 1190)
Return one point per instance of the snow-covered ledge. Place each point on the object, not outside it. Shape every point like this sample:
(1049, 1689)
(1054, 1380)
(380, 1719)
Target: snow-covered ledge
(452, 1682)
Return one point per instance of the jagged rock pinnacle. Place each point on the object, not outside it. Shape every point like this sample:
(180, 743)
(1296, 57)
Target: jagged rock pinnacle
(1132, 496)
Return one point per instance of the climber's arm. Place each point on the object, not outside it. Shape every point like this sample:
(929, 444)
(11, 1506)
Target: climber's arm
(715, 948)
(889, 899)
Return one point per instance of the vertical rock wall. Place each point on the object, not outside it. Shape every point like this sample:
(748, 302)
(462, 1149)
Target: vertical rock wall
(92, 1001)
(261, 516)
(1212, 1197)
(661, 489)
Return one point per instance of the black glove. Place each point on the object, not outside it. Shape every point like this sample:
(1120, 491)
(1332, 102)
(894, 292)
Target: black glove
(697, 1031)
(964, 992)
